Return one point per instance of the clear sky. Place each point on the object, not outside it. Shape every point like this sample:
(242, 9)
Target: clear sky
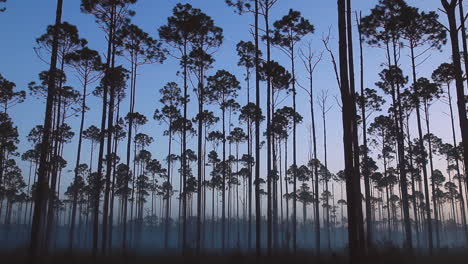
(25, 20)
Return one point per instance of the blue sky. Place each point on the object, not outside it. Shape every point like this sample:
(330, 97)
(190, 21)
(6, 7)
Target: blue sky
(25, 20)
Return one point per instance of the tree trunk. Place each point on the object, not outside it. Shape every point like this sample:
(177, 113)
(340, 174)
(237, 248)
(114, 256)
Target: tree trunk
(223, 206)
(424, 169)
(357, 186)
(352, 177)
(257, 138)
(42, 185)
(461, 100)
(168, 194)
(365, 170)
(200, 160)
(109, 157)
(77, 164)
(431, 165)
(460, 183)
(268, 134)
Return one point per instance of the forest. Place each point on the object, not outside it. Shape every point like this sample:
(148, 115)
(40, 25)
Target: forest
(233, 131)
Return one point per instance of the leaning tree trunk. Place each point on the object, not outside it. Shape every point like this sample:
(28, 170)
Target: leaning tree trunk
(97, 189)
(42, 184)
(457, 165)
(461, 100)
(77, 164)
(109, 159)
(460, 92)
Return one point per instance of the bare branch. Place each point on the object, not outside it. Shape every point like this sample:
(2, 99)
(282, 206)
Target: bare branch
(326, 41)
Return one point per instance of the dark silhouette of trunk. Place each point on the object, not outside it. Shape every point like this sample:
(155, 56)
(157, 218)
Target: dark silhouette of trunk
(52, 214)
(77, 164)
(129, 144)
(460, 92)
(352, 177)
(461, 100)
(365, 170)
(213, 223)
(286, 191)
(114, 165)
(310, 67)
(457, 165)
(258, 215)
(28, 192)
(109, 157)
(269, 137)
(413, 184)
(421, 148)
(398, 116)
(97, 190)
(249, 152)
(387, 198)
(168, 197)
(237, 197)
(357, 190)
(431, 166)
(326, 169)
(42, 185)
(200, 159)
(184, 158)
(223, 202)
(295, 160)
(203, 242)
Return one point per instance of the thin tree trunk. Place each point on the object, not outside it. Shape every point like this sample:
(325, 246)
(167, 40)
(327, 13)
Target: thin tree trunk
(431, 166)
(200, 160)
(424, 169)
(77, 164)
(365, 170)
(257, 138)
(168, 195)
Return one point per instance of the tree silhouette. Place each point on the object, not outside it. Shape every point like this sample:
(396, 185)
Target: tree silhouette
(87, 64)
(222, 87)
(189, 30)
(405, 156)
(355, 233)
(449, 7)
(139, 49)
(42, 185)
(288, 31)
(205, 37)
(445, 75)
(8, 97)
(111, 15)
(171, 99)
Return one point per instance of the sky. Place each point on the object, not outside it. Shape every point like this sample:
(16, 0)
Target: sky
(26, 20)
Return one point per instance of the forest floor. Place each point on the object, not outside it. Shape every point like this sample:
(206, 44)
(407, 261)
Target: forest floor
(383, 256)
